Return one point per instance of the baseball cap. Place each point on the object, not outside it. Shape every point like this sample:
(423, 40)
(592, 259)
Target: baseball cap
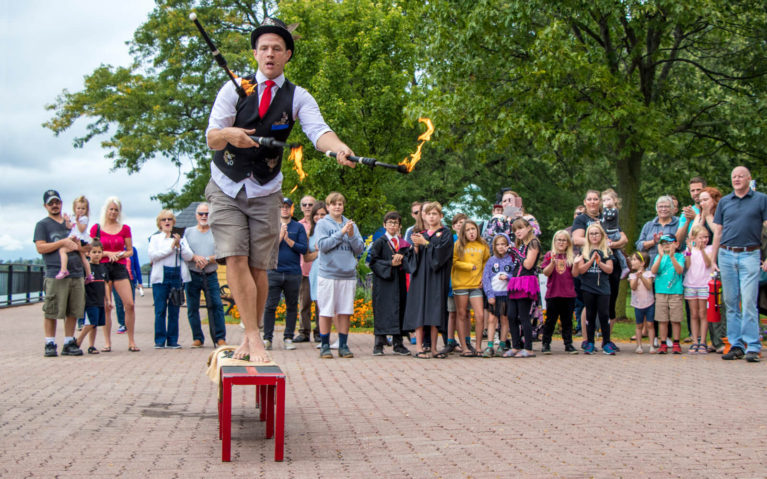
(287, 201)
(667, 239)
(51, 195)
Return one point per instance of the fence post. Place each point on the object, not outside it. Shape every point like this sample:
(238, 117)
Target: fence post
(9, 288)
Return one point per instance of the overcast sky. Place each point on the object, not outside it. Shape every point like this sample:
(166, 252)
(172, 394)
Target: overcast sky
(46, 47)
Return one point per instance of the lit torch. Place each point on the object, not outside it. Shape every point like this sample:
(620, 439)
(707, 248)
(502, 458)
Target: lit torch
(297, 157)
(410, 162)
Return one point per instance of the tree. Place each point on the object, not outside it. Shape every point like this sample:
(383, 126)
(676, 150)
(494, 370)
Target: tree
(621, 88)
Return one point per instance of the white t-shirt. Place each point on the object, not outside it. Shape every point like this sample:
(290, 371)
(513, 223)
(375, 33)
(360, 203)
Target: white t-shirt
(81, 235)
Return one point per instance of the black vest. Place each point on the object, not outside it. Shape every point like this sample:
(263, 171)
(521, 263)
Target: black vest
(263, 163)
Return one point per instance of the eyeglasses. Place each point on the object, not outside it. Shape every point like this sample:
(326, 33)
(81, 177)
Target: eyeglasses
(53, 202)
(392, 223)
(307, 205)
(167, 219)
(199, 213)
(415, 212)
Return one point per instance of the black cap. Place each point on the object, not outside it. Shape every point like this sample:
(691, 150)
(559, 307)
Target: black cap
(287, 201)
(273, 25)
(51, 195)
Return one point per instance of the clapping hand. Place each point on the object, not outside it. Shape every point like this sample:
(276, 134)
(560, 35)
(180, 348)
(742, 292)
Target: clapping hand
(283, 232)
(396, 259)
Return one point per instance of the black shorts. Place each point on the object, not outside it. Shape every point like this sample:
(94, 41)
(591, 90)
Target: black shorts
(116, 271)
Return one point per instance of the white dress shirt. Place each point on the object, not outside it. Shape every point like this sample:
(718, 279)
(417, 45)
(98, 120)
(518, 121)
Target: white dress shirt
(305, 110)
(162, 253)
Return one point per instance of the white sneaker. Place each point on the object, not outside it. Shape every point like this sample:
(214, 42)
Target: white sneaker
(267, 345)
(288, 344)
(242, 325)
(655, 342)
(669, 343)
(334, 345)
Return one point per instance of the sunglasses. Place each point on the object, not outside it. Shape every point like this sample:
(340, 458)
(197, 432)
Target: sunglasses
(307, 205)
(167, 219)
(202, 214)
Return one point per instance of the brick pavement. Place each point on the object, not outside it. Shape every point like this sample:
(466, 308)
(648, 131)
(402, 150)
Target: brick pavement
(153, 413)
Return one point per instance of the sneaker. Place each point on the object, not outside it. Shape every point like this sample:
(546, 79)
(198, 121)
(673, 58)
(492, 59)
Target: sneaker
(589, 348)
(584, 344)
(546, 349)
(525, 354)
(317, 338)
(71, 349)
(655, 342)
(676, 349)
(196, 344)
(334, 345)
(639, 350)
(50, 350)
(121, 330)
(301, 339)
(615, 347)
(669, 342)
(735, 353)
(608, 349)
(488, 352)
(173, 346)
(159, 346)
(752, 357)
(499, 353)
(268, 344)
(401, 350)
(288, 344)
(325, 352)
(345, 352)
(570, 349)
(378, 350)
(663, 349)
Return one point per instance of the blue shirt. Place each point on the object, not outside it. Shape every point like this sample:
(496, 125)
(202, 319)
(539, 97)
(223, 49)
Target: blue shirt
(668, 281)
(741, 218)
(652, 227)
(289, 259)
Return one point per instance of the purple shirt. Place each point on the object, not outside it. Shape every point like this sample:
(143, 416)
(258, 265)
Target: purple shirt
(560, 283)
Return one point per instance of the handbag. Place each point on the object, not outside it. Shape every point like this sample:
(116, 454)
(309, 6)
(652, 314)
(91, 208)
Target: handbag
(176, 295)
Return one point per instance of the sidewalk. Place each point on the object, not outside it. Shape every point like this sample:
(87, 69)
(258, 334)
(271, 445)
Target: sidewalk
(153, 413)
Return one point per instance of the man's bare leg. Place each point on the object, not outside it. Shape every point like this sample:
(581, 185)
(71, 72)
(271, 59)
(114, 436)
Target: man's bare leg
(249, 288)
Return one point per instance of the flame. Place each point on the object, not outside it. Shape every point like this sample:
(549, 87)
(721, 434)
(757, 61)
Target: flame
(297, 157)
(414, 158)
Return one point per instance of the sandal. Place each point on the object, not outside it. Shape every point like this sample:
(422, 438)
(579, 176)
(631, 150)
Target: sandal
(92, 350)
(524, 354)
(439, 355)
(469, 354)
(133, 349)
(693, 349)
(106, 349)
(702, 349)
(489, 352)
(422, 355)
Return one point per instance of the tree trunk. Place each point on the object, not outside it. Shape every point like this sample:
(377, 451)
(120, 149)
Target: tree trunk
(628, 172)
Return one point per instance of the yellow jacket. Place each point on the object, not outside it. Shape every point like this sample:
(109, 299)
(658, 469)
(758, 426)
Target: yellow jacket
(464, 274)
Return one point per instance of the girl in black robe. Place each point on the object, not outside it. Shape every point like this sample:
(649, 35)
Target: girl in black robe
(429, 264)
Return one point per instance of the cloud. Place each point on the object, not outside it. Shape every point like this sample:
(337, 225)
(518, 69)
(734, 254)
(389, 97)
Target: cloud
(9, 243)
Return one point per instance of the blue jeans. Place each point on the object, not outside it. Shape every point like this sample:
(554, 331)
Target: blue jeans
(160, 292)
(740, 287)
(207, 282)
(279, 283)
(119, 309)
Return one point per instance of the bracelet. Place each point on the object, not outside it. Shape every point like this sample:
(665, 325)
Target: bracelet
(687, 253)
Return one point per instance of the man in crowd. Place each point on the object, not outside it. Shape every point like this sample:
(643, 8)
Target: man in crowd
(286, 278)
(64, 298)
(697, 184)
(202, 269)
(738, 225)
(305, 293)
(245, 187)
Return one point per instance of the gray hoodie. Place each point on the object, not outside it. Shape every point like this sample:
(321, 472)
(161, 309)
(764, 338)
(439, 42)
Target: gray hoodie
(338, 252)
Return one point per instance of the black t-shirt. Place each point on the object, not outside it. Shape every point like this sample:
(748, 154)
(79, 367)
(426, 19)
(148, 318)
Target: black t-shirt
(95, 291)
(50, 231)
(581, 222)
(595, 280)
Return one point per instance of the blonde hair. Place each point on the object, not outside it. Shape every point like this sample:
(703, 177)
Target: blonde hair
(432, 205)
(602, 246)
(569, 255)
(521, 223)
(162, 214)
(109, 201)
(611, 193)
(462, 237)
(84, 200)
(500, 237)
(335, 197)
(697, 229)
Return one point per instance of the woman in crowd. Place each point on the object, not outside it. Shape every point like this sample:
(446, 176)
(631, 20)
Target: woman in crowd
(168, 254)
(663, 224)
(118, 247)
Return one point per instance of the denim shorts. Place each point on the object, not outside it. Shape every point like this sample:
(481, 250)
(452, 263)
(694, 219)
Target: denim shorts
(95, 315)
(472, 293)
(645, 314)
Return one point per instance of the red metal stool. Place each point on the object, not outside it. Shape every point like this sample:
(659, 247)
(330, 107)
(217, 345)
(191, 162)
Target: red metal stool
(270, 399)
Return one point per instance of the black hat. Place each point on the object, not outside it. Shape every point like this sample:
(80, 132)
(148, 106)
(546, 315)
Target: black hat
(273, 25)
(51, 195)
(287, 201)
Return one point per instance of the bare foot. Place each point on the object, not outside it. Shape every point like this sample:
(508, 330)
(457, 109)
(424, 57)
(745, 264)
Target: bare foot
(253, 347)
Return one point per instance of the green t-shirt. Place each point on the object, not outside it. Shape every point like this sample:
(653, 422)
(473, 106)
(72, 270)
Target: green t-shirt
(668, 281)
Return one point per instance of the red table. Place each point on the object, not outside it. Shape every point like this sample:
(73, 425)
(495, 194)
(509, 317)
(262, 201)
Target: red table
(270, 399)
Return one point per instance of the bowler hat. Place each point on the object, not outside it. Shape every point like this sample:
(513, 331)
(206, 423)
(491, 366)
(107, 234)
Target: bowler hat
(273, 25)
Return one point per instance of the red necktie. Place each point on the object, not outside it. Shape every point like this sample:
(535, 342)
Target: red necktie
(266, 98)
(395, 243)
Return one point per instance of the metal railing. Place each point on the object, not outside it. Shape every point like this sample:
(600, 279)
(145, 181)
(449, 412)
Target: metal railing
(21, 284)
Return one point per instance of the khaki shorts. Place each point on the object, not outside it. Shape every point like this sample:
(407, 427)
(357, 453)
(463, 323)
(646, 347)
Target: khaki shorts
(669, 307)
(64, 298)
(244, 226)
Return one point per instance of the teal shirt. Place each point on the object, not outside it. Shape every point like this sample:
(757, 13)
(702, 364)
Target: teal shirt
(668, 281)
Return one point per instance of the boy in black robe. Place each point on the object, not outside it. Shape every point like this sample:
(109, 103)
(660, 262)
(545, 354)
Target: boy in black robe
(389, 285)
(429, 264)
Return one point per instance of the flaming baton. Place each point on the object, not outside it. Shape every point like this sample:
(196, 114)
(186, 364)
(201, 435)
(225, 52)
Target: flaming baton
(409, 163)
(217, 55)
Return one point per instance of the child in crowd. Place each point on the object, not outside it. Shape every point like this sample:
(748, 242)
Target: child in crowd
(339, 243)
(452, 344)
(495, 282)
(560, 291)
(595, 286)
(496, 225)
(79, 231)
(699, 262)
(669, 305)
(470, 253)
(97, 299)
(642, 299)
(319, 211)
(429, 265)
(523, 288)
(389, 291)
(609, 219)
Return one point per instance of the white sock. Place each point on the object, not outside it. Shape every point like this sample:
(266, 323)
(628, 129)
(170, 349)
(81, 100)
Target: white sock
(67, 339)
(50, 340)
